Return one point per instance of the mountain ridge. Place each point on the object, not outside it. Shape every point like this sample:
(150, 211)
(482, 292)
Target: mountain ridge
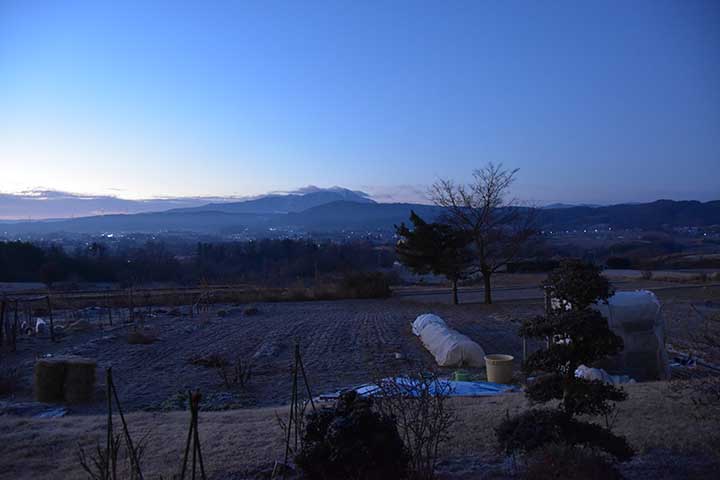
(341, 215)
(284, 203)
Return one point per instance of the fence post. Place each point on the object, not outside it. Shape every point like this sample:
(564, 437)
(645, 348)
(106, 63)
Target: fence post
(14, 327)
(2, 320)
(50, 314)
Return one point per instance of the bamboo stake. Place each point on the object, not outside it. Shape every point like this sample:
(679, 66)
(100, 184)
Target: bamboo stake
(108, 383)
(134, 458)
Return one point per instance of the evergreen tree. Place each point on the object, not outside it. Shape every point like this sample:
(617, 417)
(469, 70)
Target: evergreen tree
(434, 248)
(578, 335)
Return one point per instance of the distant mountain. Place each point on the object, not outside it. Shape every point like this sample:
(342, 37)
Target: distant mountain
(53, 204)
(353, 215)
(285, 203)
(358, 215)
(569, 205)
(193, 222)
(654, 215)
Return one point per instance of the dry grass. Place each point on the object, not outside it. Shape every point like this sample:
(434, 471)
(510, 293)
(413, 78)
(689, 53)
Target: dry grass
(249, 441)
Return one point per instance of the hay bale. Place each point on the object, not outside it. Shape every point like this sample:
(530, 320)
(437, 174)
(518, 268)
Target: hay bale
(79, 383)
(65, 378)
(49, 379)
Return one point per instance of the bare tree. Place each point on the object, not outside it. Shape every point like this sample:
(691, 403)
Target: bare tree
(420, 404)
(498, 227)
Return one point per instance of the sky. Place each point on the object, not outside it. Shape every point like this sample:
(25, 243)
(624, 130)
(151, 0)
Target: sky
(595, 102)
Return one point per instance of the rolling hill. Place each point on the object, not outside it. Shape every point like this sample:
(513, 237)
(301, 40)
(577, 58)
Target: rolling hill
(327, 214)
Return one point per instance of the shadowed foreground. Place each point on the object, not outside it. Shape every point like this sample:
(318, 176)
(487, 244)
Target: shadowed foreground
(245, 443)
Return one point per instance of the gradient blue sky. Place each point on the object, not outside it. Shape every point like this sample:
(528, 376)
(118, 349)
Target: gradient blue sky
(601, 102)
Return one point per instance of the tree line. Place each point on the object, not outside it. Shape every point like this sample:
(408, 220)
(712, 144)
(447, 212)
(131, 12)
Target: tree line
(276, 261)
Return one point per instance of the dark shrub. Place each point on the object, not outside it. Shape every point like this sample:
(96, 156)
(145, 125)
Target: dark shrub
(561, 462)
(618, 262)
(351, 442)
(141, 337)
(366, 285)
(577, 335)
(9, 379)
(578, 283)
(535, 429)
(211, 360)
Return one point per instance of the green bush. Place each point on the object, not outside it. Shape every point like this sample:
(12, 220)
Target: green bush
(351, 442)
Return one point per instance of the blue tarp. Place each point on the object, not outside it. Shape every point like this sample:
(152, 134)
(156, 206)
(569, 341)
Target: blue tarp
(449, 387)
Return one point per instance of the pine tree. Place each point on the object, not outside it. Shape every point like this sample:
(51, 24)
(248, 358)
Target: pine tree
(434, 248)
(578, 334)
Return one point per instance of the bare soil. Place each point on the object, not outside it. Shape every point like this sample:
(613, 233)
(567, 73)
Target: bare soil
(343, 343)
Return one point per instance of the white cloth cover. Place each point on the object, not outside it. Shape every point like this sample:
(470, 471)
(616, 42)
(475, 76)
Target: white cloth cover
(424, 320)
(635, 316)
(449, 347)
(599, 374)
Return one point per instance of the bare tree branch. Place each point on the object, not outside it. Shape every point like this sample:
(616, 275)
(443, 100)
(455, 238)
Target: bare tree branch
(499, 227)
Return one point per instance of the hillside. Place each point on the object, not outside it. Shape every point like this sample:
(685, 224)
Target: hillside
(326, 213)
(293, 202)
(642, 215)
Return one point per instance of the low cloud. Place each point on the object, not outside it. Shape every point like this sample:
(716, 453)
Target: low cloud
(39, 204)
(399, 193)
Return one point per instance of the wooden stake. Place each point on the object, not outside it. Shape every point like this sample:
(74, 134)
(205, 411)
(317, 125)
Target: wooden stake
(294, 416)
(2, 321)
(108, 386)
(14, 327)
(50, 313)
(133, 454)
(194, 436)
